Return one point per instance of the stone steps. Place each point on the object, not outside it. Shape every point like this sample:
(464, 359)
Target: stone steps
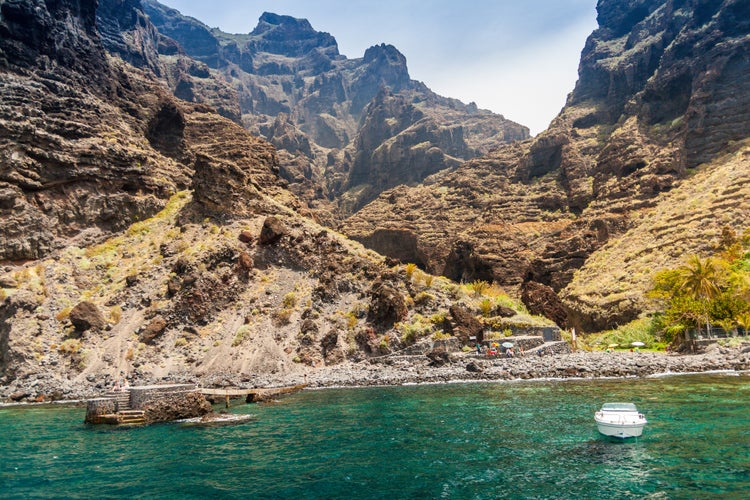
(131, 417)
(122, 398)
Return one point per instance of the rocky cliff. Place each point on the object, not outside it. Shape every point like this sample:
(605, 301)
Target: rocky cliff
(346, 129)
(152, 235)
(645, 164)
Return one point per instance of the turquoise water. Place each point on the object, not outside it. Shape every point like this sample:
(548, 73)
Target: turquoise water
(493, 440)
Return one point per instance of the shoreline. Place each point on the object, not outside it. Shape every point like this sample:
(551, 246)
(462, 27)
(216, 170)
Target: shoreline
(736, 373)
(400, 370)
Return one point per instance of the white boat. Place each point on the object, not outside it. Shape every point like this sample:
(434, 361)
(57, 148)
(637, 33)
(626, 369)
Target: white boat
(620, 420)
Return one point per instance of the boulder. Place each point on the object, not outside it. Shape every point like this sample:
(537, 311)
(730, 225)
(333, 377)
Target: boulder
(387, 306)
(439, 357)
(505, 312)
(474, 367)
(86, 316)
(272, 231)
(246, 237)
(153, 330)
(245, 262)
(464, 324)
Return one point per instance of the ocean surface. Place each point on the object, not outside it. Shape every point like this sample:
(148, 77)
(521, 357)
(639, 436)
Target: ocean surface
(480, 440)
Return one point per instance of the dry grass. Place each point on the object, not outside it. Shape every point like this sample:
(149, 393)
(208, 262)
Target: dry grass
(686, 220)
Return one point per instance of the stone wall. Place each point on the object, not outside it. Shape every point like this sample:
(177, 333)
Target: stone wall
(452, 344)
(176, 406)
(96, 409)
(549, 333)
(140, 396)
(525, 342)
(554, 348)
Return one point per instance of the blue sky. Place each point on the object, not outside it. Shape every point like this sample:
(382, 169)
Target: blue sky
(518, 58)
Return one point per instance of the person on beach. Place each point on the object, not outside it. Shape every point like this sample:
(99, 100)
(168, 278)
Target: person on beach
(479, 348)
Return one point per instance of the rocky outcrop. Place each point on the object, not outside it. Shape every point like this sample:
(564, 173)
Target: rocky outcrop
(542, 300)
(577, 208)
(464, 325)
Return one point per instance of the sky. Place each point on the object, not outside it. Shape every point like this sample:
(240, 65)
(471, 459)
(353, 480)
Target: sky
(518, 58)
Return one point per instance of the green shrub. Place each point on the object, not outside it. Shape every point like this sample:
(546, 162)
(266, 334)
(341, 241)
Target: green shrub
(115, 314)
(486, 306)
(438, 318)
(290, 300)
(384, 343)
(283, 316)
(479, 287)
(63, 314)
(70, 346)
(639, 330)
(411, 332)
(351, 320)
(410, 268)
(423, 298)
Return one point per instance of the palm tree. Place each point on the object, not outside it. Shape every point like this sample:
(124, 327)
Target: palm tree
(743, 319)
(700, 280)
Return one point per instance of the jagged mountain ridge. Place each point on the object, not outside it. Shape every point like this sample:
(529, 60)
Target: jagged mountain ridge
(662, 90)
(341, 134)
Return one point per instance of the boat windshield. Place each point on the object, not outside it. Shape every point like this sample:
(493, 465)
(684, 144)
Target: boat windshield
(619, 407)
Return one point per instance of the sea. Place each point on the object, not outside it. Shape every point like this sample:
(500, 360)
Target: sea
(531, 439)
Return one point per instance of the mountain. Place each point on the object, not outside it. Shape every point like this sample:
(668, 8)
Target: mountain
(143, 230)
(646, 163)
(346, 129)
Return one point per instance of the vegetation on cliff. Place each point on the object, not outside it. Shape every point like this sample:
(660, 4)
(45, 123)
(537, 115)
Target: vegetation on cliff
(707, 292)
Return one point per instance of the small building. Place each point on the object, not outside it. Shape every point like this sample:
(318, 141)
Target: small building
(148, 404)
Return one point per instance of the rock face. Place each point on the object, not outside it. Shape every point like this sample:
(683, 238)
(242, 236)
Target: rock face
(345, 128)
(607, 195)
(88, 143)
(386, 307)
(62, 169)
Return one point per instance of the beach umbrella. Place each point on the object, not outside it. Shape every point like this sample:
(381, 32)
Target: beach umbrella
(507, 344)
(613, 345)
(638, 344)
(495, 344)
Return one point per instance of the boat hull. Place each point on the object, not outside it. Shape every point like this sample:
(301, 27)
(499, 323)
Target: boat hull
(621, 431)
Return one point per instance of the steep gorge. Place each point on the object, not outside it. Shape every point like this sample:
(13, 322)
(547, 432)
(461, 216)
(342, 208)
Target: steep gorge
(130, 186)
(152, 235)
(661, 105)
(346, 129)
